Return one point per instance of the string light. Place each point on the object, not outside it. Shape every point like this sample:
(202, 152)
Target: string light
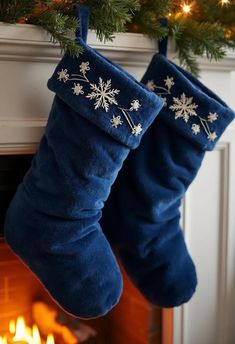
(225, 2)
(186, 8)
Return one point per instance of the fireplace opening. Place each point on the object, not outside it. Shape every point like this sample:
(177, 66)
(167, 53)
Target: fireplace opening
(29, 315)
(12, 171)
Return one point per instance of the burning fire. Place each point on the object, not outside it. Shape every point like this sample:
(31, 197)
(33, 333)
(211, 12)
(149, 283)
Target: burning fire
(23, 334)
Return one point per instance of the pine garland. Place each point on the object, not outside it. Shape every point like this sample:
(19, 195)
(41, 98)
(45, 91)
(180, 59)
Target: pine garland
(202, 28)
(196, 39)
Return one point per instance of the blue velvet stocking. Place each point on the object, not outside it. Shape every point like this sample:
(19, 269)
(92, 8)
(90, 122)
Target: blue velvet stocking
(99, 113)
(141, 217)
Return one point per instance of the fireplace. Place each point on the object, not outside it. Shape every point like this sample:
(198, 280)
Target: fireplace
(132, 321)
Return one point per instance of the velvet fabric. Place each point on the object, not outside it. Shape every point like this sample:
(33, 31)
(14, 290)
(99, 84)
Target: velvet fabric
(141, 217)
(98, 114)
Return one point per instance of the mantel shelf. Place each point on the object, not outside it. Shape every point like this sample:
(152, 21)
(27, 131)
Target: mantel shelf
(29, 42)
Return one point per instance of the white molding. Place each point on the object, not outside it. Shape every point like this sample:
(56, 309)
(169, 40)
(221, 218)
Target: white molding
(24, 42)
(25, 123)
(224, 148)
(31, 43)
(20, 135)
(18, 148)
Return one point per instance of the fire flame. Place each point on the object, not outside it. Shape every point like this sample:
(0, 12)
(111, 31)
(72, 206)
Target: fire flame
(50, 339)
(3, 340)
(20, 332)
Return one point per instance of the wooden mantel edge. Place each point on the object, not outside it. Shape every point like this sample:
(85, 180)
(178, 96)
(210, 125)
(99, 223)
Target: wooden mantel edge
(167, 326)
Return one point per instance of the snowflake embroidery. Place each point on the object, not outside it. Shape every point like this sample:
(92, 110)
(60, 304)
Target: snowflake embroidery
(212, 117)
(151, 85)
(116, 121)
(136, 130)
(164, 100)
(63, 75)
(184, 107)
(160, 90)
(212, 136)
(196, 129)
(103, 94)
(135, 105)
(169, 82)
(77, 89)
(84, 67)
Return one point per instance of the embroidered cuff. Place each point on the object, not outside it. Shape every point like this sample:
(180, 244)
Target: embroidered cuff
(106, 95)
(189, 106)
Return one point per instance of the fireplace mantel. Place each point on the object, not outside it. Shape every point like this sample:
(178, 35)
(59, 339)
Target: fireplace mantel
(29, 42)
(28, 58)
(21, 42)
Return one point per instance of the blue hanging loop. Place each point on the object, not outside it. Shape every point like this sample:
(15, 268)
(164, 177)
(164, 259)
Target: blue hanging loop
(163, 44)
(83, 15)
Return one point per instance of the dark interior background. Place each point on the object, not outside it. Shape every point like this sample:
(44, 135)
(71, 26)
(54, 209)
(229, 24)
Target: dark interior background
(12, 171)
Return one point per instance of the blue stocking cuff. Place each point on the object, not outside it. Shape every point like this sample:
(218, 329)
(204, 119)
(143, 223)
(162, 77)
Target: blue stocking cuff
(106, 95)
(190, 107)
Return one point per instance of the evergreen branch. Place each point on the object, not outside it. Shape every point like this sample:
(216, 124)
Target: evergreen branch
(46, 2)
(211, 11)
(12, 10)
(109, 16)
(59, 26)
(147, 19)
(65, 7)
(193, 38)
